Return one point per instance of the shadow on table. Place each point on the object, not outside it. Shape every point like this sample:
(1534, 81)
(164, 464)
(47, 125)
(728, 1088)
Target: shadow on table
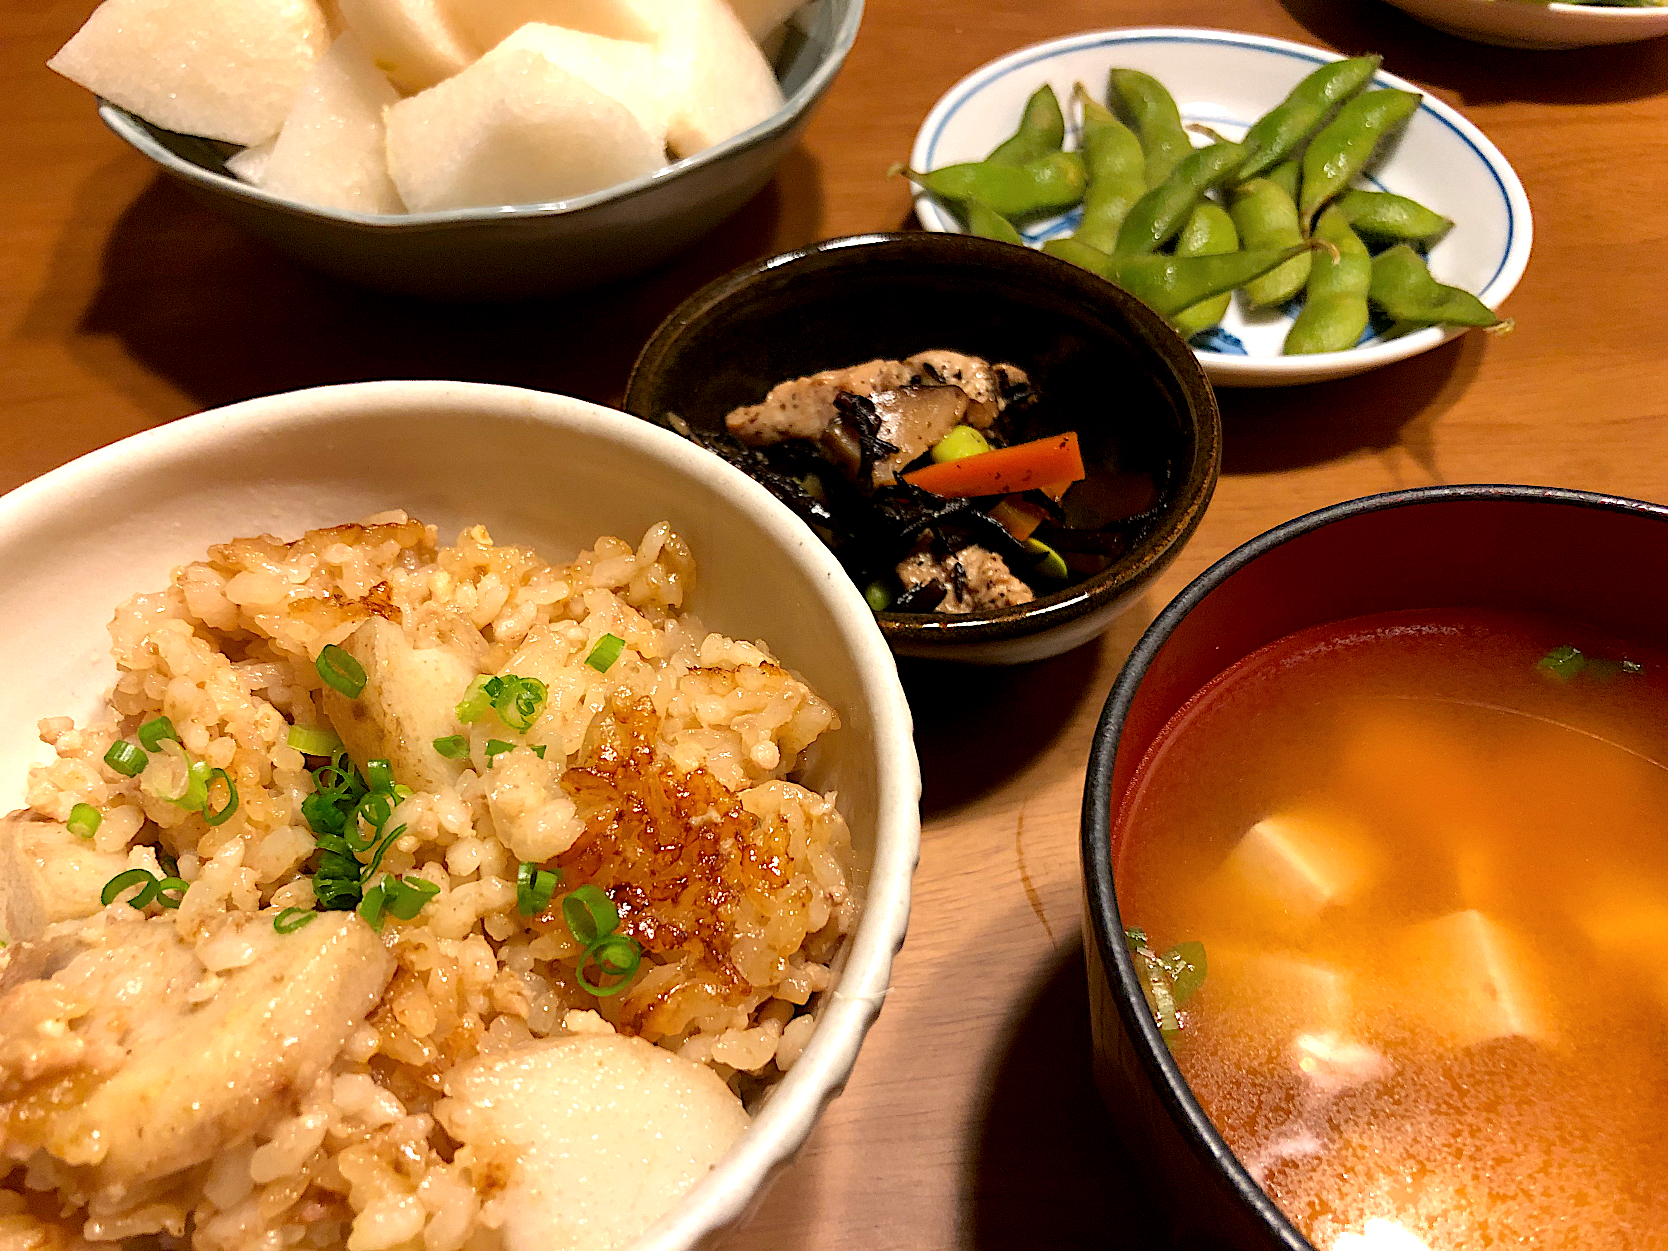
(1479, 73)
(1267, 430)
(224, 317)
(1050, 1172)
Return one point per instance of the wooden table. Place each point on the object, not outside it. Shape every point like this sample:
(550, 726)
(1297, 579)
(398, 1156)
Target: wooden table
(969, 1121)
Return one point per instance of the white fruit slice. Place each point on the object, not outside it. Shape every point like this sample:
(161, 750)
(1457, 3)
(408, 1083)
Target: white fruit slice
(761, 17)
(513, 128)
(619, 68)
(414, 42)
(716, 78)
(331, 152)
(226, 69)
(488, 24)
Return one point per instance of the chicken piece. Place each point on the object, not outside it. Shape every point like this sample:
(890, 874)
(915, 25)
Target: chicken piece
(48, 874)
(912, 419)
(410, 699)
(802, 408)
(600, 1134)
(986, 385)
(975, 579)
(134, 1060)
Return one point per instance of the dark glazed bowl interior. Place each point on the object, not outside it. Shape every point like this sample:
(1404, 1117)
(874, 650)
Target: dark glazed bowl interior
(1103, 363)
(1597, 558)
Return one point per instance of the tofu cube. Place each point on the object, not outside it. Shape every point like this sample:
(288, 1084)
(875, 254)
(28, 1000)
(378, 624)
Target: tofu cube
(717, 81)
(513, 128)
(414, 42)
(1289, 869)
(332, 150)
(225, 69)
(1466, 979)
(619, 68)
(488, 25)
(1627, 923)
(1302, 995)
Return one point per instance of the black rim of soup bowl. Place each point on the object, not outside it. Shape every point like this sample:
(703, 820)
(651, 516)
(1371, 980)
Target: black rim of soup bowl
(1104, 924)
(1170, 364)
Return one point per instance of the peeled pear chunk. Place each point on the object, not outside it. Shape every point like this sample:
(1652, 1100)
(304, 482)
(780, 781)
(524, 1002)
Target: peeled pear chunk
(332, 150)
(761, 17)
(48, 874)
(225, 69)
(618, 68)
(717, 80)
(1291, 867)
(414, 42)
(600, 1135)
(488, 25)
(1467, 979)
(513, 128)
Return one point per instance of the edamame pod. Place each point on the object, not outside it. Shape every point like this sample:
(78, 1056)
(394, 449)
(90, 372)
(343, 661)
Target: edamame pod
(1335, 308)
(1344, 148)
(1168, 284)
(1117, 177)
(1159, 214)
(1386, 216)
(1042, 130)
(1285, 175)
(1150, 109)
(1276, 134)
(987, 223)
(1265, 217)
(1209, 232)
(1403, 287)
(1035, 189)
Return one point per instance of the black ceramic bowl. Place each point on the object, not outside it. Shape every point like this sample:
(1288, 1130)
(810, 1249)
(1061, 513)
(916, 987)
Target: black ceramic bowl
(1104, 364)
(1596, 558)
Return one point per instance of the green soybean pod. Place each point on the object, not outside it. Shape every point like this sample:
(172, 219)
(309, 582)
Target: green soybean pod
(1344, 148)
(1335, 307)
(1159, 214)
(1276, 134)
(1286, 176)
(1403, 287)
(987, 223)
(1169, 284)
(1209, 232)
(1042, 130)
(1035, 189)
(1386, 216)
(1153, 113)
(1117, 173)
(1081, 254)
(1266, 217)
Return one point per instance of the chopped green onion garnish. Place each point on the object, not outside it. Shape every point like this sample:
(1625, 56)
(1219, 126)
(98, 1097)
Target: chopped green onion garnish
(313, 740)
(477, 698)
(381, 851)
(538, 750)
(376, 808)
(1562, 663)
(1185, 963)
(534, 887)
(340, 670)
(291, 919)
(497, 747)
(453, 746)
(125, 758)
(1168, 980)
(170, 891)
(605, 653)
(404, 897)
(154, 732)
(519, 702)
(170, 866)
(130, 877)
(194, 794)
(590, 914)
(84, 820)
(379, 775)
(219, 816)
(615, 956)
(371, 905)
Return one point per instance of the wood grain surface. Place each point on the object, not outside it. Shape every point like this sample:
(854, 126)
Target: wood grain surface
(969, 1121)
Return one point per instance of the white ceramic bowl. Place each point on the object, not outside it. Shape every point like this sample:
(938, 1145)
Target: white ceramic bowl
(529, 249)
(1527, 24)
(535, 468)
(1226, 80)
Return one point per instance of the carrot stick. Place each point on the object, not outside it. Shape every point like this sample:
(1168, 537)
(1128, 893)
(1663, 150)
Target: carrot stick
(1018, 516)
(1004, 471)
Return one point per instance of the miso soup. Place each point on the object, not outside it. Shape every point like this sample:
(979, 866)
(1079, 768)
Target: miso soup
(1427, 857)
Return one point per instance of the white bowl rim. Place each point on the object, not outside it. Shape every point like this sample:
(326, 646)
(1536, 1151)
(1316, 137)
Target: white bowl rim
(1221, 365)
(849, 1007)
(135, 131)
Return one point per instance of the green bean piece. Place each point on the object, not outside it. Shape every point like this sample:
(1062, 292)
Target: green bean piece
(1209, 232)
(987, 223)
(1346, 146)
(1169, 284)
(1149, 108)
(1335, 308)
(1036, 189)
(1403, 287)
(1386, 216)
(1265, 217)
(1041, 130)
(1278, 133)
(1285, 175)
(1159, 214)
(1117, 173)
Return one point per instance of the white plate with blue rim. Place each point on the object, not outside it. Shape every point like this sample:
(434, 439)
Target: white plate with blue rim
(1226, 80)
